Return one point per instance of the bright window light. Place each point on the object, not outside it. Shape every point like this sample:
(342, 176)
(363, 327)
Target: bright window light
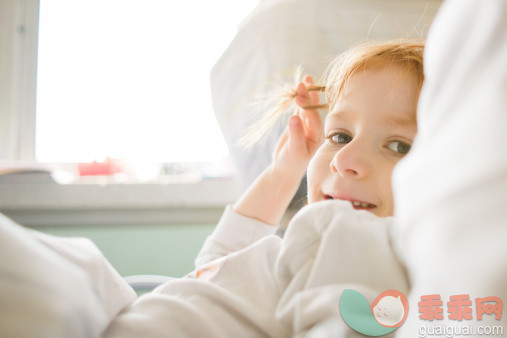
(129, 79)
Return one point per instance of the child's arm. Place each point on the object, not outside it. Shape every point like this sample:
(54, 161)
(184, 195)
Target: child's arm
(265, 202)
(269, 196)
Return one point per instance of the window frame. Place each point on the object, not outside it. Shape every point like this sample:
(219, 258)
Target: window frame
(21, 19)
(34, 203)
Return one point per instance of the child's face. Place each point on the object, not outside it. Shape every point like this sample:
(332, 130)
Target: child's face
(369, 130)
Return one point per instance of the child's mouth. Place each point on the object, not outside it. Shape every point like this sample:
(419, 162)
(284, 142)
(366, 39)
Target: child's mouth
(358, 205)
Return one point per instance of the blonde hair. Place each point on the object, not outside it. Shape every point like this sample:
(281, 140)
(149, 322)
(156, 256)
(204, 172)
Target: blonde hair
(407, 54)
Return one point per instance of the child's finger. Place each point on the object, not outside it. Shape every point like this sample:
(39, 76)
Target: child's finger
(311, 117)
(313, 123)
(314, 95)
(303, 98)
(297, 139)
(281, 142)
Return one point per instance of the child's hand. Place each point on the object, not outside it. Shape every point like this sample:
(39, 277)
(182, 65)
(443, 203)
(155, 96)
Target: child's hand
(303, 135)
(269, 196)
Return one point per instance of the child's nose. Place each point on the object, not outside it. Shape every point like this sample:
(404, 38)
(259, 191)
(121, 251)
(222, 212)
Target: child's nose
(351, 161)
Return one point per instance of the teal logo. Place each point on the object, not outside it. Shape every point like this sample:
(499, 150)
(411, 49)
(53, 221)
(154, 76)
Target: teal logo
(387, 312)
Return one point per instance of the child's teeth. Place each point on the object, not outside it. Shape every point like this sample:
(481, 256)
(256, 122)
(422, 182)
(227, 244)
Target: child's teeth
(361, 204)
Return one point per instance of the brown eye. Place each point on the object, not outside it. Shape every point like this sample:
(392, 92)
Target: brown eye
(340, 138)
(399, 147)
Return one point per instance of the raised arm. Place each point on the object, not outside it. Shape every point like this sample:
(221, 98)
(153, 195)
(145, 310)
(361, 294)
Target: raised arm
(269, 196)
(264, 203)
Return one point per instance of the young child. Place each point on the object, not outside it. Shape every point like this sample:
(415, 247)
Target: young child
(248, 283)
(355, 173)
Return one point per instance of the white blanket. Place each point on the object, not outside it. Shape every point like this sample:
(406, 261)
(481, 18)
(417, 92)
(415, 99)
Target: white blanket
(55, 287)
(275, 287)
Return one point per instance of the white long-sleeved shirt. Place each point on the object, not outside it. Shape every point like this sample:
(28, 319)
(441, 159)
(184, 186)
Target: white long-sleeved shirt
(232, 233)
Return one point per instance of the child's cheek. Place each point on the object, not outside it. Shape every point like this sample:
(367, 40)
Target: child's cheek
(315, 177)
(310, 181)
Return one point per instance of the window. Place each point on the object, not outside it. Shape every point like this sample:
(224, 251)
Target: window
(86, 79)
(130, 79)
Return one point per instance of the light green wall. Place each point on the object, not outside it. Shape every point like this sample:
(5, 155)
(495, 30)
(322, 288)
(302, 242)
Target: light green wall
(167, 250)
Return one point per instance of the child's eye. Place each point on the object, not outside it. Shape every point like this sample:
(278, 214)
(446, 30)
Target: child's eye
(399, 147)
(340, 138)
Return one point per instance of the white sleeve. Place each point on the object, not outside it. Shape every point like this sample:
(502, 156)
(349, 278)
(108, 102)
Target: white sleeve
(451, 189)
(232, 233)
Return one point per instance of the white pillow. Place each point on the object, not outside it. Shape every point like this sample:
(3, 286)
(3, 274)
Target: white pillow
(451, 190)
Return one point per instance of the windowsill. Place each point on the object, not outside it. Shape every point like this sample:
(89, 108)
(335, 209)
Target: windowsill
(47, 203)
